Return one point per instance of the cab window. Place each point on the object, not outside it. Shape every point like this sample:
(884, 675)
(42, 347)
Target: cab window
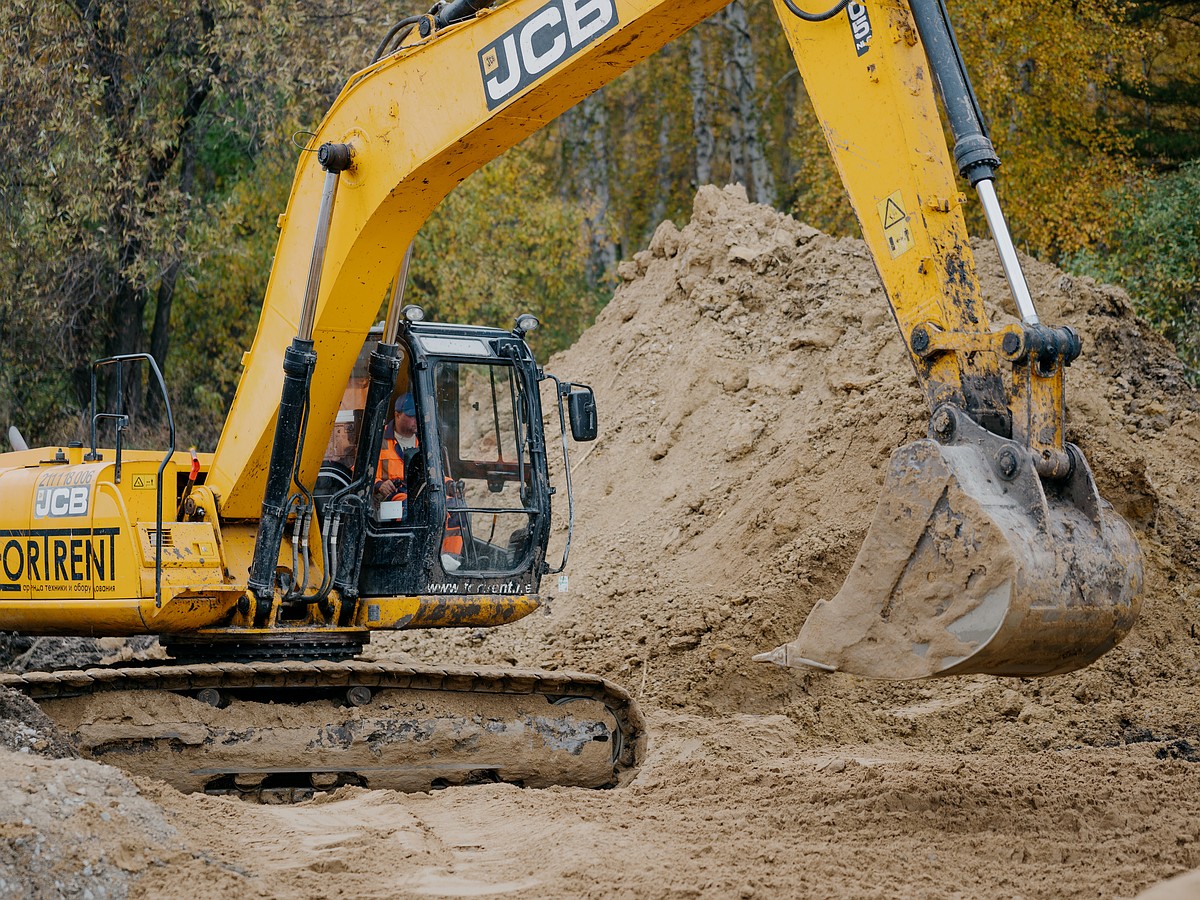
(481, 417)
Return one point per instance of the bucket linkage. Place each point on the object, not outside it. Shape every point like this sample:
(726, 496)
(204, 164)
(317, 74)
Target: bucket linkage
(975, 565)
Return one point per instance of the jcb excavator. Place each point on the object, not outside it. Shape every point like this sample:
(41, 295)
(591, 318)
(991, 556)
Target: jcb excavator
(265, 566)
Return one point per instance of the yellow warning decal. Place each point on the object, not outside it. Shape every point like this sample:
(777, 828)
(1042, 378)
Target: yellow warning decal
(895, 224)
(145, 482)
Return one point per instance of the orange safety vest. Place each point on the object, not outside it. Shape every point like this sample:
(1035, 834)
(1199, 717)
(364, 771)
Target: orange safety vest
(391, 467)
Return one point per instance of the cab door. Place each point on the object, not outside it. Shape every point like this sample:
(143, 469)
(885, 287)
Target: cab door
(492, 468)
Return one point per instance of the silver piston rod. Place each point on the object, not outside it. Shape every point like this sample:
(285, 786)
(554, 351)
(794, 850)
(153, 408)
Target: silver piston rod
(392, 323)
(973, 151)
(334, 159)
(986, 189)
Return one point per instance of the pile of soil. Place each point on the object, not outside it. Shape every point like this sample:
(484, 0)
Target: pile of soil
(752, 386)
(24, 728)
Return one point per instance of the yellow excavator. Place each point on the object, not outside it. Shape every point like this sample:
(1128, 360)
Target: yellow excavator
(265, 566)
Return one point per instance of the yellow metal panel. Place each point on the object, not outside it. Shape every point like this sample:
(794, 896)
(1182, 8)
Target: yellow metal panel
(111, 518)
(869, 82)
(191, 545)
(16, 542)
(386, 613)
(419, 125)
(73, 559)
(120, 617)
(75, 616)
(188, 610)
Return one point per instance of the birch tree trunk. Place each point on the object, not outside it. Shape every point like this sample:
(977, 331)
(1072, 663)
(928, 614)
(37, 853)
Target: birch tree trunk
(586, 160)
(747, 159)
(702, 122)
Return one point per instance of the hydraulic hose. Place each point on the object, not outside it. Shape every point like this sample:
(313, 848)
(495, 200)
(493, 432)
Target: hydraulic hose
(816, 17)
(385, 46)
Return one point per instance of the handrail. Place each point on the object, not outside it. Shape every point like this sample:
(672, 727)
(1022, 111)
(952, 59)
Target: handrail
(122, 420)
(561, 390)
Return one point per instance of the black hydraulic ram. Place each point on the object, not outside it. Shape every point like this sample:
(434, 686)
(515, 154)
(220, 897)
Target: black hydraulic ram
(347, 508)
(450, 13)
(973, 151)
(298, 363)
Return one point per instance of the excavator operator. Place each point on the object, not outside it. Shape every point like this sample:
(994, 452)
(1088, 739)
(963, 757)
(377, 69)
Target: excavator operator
(391, 485)
(399, 442)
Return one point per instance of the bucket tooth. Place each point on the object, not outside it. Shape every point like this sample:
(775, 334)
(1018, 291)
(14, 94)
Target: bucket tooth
(970, 567)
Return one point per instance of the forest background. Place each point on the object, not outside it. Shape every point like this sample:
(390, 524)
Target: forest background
(147, 147)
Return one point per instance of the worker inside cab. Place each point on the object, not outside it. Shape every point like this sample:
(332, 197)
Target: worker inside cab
(396, 462)
(399, 447)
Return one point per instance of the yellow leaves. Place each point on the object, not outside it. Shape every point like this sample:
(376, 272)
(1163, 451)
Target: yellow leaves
(1043, 74)
(505, 243)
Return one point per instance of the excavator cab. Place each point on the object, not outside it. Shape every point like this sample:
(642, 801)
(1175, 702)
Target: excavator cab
(462, 505)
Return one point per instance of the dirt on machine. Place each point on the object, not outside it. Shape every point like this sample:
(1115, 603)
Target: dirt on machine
(276, 731)
(384, 476)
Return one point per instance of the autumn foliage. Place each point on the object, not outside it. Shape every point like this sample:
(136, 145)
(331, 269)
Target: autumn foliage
(147, 148)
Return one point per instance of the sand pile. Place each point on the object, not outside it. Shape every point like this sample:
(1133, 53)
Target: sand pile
(751, 386)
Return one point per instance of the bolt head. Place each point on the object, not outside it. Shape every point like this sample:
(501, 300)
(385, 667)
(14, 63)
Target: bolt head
(1007, 463)
(943, 423)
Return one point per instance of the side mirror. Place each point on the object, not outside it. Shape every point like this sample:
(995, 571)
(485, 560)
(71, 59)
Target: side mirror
(581, 407)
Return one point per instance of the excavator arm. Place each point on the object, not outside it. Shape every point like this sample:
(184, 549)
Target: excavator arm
(991, 550)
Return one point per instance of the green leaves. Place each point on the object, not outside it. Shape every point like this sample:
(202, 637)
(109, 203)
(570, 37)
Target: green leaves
(123, 124)
(505, 242)
(1155, 255)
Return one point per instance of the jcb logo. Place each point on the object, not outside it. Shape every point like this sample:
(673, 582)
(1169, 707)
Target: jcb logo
(55, 502)
(860, 26)
(554, 33)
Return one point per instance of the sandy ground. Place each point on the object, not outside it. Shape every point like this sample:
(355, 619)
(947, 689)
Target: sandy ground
(751, 387)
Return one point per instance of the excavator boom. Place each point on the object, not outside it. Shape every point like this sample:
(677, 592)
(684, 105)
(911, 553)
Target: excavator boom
(990, 551)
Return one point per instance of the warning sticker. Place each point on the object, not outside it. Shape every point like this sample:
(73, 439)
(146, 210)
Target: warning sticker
(895, 224)
(145, 482)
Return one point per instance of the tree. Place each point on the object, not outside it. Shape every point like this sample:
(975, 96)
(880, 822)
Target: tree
(472, 265)
(1158, 105)
(145, 152)
(748, 161)
(121, 121)
(702, 120)
(1155, 255)
(585, 149)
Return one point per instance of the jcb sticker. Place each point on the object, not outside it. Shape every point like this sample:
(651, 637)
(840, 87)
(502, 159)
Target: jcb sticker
(61, 502)
(860, 27)
(895, 224)
(554, 33)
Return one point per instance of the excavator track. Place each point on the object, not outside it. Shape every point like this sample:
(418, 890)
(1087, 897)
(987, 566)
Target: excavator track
(281, 731)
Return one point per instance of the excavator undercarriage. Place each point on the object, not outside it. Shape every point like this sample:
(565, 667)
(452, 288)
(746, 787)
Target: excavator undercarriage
(282, 730)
